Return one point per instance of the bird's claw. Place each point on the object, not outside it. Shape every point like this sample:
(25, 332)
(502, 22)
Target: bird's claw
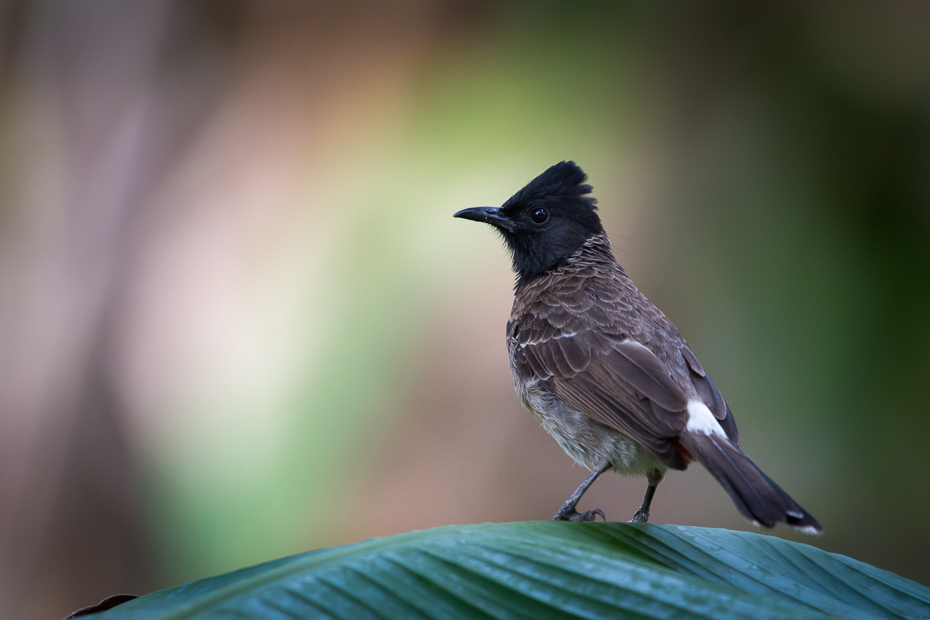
(640, 516)
(570, 514)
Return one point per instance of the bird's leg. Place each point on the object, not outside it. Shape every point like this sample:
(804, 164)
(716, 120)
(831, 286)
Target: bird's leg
(568, 513)
(642, 515)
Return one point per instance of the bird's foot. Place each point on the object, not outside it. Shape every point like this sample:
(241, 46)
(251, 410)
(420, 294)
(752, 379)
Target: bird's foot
(568, 513)
(640, 516)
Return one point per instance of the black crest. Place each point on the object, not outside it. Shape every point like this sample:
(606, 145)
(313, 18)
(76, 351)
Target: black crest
(546, 222)
(561, 187)
(562, 193)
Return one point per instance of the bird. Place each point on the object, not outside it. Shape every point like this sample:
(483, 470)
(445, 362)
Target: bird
(602, 369)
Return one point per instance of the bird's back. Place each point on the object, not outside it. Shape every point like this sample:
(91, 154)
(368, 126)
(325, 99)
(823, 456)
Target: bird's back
(590, 292)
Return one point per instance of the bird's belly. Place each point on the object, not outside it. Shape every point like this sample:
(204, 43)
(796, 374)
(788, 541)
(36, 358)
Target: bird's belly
(589, 443)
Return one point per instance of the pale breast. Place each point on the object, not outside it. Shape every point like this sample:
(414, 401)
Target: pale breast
(589, 443)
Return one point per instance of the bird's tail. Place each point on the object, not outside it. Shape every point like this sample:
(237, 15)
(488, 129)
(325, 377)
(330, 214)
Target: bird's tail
(756, 496)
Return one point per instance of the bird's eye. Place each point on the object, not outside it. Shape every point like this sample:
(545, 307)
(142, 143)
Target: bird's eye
(539, 215)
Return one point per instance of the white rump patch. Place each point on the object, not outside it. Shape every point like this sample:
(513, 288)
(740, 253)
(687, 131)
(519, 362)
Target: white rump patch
(701, 420)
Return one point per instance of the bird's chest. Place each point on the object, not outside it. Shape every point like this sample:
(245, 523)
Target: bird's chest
(590, 444)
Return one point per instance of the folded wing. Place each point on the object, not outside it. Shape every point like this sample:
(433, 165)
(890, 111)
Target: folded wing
(617, 382)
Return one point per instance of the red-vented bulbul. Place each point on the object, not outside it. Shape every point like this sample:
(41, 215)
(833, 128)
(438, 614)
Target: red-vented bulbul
(602, 369)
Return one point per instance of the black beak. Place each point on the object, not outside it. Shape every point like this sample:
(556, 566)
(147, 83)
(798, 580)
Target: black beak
(488, 215)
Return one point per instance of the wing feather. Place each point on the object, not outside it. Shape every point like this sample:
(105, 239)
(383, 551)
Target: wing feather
(619, 383)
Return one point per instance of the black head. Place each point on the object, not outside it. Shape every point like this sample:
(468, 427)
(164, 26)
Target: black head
(545, 222)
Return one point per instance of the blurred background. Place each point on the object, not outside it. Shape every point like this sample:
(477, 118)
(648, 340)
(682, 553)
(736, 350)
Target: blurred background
(237, 319)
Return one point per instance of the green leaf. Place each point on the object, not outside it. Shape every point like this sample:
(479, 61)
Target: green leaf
(548, 570)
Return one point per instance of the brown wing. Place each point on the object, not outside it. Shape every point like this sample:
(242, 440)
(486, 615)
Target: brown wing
(618, 382)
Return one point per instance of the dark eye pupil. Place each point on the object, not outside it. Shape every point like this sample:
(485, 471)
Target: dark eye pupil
(539, 215)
